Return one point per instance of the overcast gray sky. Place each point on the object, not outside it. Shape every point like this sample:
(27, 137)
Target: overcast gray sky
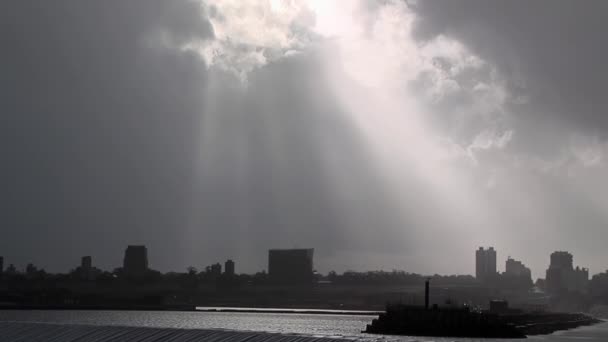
(385, 134)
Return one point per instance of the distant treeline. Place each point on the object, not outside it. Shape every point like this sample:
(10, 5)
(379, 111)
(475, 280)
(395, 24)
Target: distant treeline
(94, 288)
(396, 277)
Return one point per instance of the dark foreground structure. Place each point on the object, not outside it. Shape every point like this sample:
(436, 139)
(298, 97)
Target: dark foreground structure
(462, 322)
(419, 321)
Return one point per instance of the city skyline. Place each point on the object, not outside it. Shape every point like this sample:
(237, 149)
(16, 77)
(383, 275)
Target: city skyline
(537, 265)
(486, 265)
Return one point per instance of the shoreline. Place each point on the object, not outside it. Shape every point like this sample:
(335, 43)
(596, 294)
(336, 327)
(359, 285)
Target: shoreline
(190, 308)
(290, 311)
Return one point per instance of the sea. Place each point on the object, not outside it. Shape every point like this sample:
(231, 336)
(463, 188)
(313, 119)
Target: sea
(293, 326)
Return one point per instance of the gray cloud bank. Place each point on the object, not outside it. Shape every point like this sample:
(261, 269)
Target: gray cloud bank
(113, 135)
(550, 54)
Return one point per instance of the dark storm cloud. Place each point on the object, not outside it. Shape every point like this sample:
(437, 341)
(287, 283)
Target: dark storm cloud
(98, 130)
(111, 134)
(552, 51)
(109, 139)
(551, 57)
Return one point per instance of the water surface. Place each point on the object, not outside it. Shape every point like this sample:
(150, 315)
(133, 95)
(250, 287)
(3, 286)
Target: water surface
(307, 324)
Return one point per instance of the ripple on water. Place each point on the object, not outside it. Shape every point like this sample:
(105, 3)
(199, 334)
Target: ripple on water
(337, 327)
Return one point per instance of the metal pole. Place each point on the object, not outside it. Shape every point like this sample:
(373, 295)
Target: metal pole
(426, 293)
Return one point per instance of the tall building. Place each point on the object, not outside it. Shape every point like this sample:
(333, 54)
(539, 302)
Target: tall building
(30, 269)
(516, 270)
(86, 271)
(229, 268)
(561, 260)
(485, 263)
(86, 263)
(216, 269)
(561, 275)
(1, 265)
(135, 262)
(11, 269)
(290, 266)
(580, 282)
(598, 286)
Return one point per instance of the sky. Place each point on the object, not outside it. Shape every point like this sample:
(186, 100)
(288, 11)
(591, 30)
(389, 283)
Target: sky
(385, 134)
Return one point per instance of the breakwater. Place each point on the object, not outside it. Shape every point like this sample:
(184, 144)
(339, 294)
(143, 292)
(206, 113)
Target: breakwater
(419, 321)
(461, 322)
(547, 323)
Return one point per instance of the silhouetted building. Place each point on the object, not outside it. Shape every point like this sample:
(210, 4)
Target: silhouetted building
(216, 269)
(135, 262)
(541, 284)
(485, 263)
(1, 265)
(516, 268)
(11, 269)
(86, 271)
(516, 276)
(561, 276)
(598, 286)
(290, 266)
(86, 263)
(427, 292)
(229, 268)
(561, 260)
(30, 269)
(580, 280)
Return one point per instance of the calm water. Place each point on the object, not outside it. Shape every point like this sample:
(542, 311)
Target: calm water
(316, 325)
